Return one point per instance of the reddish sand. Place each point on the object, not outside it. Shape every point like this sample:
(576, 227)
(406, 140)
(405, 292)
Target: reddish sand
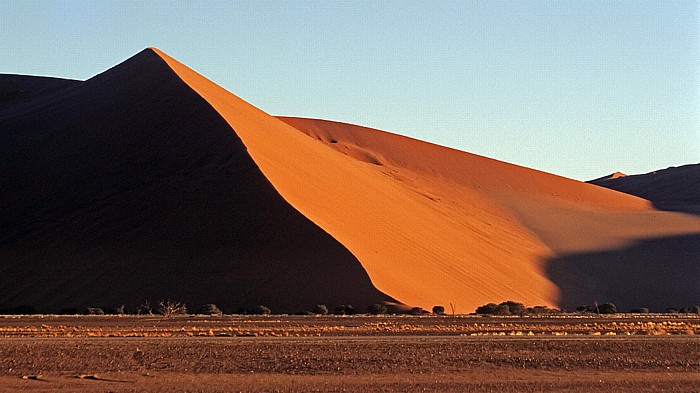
(313, 201)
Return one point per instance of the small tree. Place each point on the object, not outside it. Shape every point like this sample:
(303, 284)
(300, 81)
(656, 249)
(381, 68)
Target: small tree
(490, 308)
(262, 310)
(515, 308)
(345, 309)
(416, 311)
(376, 309)
(209, 309)
(502, 309)
(641, 310)
(145, 307)
(94, 311)
(439, 310)
(607, 308)
(320, 309)
(168, 308)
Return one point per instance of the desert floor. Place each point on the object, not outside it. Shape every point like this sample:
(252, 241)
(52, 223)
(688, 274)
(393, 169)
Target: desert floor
(359, 353)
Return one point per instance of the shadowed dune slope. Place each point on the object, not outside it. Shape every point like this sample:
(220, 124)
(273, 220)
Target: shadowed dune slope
(676, 188)
(129, 186)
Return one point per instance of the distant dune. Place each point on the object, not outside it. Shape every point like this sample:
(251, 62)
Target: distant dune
(675, 188)
(149, 181)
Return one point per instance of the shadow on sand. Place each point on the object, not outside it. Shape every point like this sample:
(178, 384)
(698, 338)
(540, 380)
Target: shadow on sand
(656, 273)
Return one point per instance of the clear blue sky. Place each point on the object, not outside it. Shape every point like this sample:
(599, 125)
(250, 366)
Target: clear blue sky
(576, 88)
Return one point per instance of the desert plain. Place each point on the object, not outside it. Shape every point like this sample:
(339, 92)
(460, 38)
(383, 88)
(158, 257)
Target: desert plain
(350, 353)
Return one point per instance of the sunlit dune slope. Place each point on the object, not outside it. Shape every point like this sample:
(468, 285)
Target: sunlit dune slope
(574, 220)
(129, 186)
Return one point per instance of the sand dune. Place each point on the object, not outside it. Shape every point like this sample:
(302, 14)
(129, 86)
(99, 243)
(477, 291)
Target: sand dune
(152, 165)
(130, 187)
(676, 188)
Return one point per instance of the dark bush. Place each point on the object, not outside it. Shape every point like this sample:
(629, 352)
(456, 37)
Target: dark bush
(607, 308)
(345, 309)
(209, 309)
(376, 309)
(320, 309)
(69, 311)
(671, 310)
(439, 310)
(539, 310)
(303, 313)
(515, 308)
(684, 310)
(502, 309)
(696, 309)
(94, 311)
(583, 309)
(416, 311)
(490, 308)
(261, 310)
(641, 310)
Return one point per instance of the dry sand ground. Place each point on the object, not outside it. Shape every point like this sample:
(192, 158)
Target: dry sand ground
(350, 354)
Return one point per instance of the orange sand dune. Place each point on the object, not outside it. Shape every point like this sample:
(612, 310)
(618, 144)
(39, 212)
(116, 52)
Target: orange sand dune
(433, 225)
(152, 165)
(567, 217)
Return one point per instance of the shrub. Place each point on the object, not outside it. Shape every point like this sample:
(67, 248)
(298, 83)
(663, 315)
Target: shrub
(583, 309)
(303, 313)
(439, 310)
(502, 309)
(345, 309)
(209, 309)
(416, 311)
(94, 311)
(376, 309)
(696, 309)
(489, 308)
(170, 307)
(641, 310)
(261, 310)
(539, 310)
(684, 310)
(671, 310)
(607, 308)
(514, 308)
(320, 309)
